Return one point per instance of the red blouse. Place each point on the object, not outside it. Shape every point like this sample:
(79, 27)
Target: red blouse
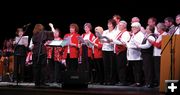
(90, 50)
(58, 52)
(74, 50)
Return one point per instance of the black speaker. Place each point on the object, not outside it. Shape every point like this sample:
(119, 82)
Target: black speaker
(73, 79)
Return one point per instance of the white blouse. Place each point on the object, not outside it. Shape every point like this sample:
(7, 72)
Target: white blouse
(111, 35)
(133, 52)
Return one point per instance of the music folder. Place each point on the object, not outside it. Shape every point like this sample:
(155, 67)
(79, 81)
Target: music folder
(62, 43)
(55, 43)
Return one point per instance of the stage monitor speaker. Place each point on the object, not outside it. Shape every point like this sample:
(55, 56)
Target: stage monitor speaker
(74, 80)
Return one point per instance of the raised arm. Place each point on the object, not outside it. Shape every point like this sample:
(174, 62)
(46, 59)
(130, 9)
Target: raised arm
(52, 27)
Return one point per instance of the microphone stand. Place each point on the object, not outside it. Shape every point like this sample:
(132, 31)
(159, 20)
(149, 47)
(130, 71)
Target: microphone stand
(171, 52)
(16, 44)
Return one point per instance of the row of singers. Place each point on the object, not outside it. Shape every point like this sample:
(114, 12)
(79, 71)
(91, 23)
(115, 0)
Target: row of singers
(111, 53)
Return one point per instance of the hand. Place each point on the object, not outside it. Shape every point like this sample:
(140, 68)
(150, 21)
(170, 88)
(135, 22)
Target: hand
(151, 41)
(72, 44)
(96, 45)
(47, 42)
(79, 45)
(64, 62)
(110, 40)
(51, 25)
(103, 41)
(137, 45)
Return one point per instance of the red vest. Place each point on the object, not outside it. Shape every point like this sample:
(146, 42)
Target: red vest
(90, 52)
(74, 50)
(119, 48)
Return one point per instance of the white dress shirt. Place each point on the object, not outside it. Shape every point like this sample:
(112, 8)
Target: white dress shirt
(177, 30)
(31, 44)
(147, 44)
(125, 37)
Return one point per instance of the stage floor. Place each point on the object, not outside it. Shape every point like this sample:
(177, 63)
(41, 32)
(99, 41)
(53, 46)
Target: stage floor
(9, 88)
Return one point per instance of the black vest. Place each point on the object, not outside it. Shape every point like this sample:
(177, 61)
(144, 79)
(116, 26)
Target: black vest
(150, 49)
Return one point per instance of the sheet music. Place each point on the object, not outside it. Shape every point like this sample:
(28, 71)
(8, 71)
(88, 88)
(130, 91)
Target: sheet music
(55, 43)
(89, 43)
(80, 38)
(102, 37)
(66, 41)
(99, 35)
(23, 41)
(62, 43)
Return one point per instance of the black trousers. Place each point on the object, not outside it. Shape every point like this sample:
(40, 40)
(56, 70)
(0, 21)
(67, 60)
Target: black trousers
(19, 65)
(59, 69)
(28, 72)
(121, 66)
(99, 70)
(91, 69)
(50, 71)
(148, 67)
(72, 63)
(129, 73)
(157, 61)
(109, 67)
(137, 70)
(40, 70)
(85, 60)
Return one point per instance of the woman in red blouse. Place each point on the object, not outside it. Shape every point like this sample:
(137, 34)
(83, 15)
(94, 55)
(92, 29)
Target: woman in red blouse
(54, 55)
(98, 56)
(71, 50)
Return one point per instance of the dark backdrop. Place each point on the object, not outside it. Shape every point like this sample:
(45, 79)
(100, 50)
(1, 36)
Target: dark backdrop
(62, 14)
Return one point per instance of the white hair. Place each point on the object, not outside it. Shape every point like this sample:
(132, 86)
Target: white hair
(124, 22)
(136, 24)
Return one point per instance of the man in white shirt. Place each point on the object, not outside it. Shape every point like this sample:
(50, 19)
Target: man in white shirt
(117, 18)
(120, 49)
(169, 22)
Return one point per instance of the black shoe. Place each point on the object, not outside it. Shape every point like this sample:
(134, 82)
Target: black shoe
(37, 85)
(155, 84)
(136, 85)
(111, 83)
(101, 83)
(121, 84)
(148, 86)
(43, 84)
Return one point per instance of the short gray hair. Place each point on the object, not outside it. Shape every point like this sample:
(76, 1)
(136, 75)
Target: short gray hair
(124, 22)
(162, 26)
(136, 24)
(88, 25)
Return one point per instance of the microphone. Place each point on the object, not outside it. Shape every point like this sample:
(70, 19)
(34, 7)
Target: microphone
(26, 25)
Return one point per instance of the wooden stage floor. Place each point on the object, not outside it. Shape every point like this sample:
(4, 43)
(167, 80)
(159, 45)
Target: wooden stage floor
(10, 88)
